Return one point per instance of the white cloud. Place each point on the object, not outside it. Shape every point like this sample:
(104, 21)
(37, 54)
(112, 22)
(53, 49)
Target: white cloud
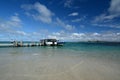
(41, 12)
(78, 35)
(113, 12)
(57, 33)
(114, 8)
(105, 18)
(69, 27)
(74, 14)
(8, 25)
(107, 25)
(52, 37)
(68, 3)
(21, 33)
(36, 34)
(10, 28)
(77, 20)
(62, 35)
(60, 22)
(15, 21)
(111, 36)
(118, 34)
(96, 34)
(66, 26)
(15, 18)
(82, 26)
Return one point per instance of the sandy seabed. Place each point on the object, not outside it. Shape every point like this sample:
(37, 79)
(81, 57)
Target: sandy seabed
(68, 67)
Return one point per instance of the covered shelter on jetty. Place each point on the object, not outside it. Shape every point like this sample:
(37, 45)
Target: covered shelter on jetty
(50, 42)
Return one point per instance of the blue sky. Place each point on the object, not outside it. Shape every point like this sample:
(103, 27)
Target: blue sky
(67, 20)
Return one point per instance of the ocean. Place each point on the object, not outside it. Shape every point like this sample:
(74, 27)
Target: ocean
(72, 61)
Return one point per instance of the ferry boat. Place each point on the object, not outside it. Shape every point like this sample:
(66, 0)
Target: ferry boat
(50, 42)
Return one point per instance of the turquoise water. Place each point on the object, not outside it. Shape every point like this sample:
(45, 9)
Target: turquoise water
(73, 61)
(99, 50)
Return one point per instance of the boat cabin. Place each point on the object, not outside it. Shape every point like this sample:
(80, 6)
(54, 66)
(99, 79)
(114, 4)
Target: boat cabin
(48, 42)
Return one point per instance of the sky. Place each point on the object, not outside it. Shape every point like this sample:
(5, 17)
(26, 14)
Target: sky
(65, 20)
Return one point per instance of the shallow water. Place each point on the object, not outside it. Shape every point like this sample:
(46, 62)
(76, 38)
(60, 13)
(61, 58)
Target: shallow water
(73, 61)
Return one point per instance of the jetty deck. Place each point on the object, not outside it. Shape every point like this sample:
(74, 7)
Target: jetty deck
(25, 44)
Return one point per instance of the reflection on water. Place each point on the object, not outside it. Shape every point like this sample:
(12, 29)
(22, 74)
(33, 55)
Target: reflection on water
(59, 63)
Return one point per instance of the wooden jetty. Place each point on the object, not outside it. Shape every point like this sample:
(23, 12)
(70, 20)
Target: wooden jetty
(43, 42)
